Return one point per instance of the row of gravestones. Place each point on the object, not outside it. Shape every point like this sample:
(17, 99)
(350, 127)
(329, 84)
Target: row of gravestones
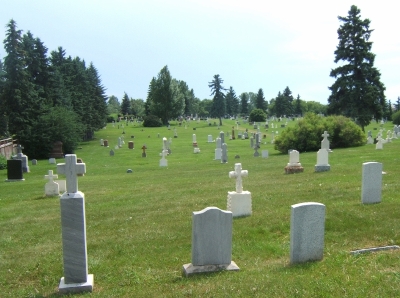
(211, 229)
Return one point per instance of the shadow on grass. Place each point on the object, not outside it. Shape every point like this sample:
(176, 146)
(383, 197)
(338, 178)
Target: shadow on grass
(44, 197)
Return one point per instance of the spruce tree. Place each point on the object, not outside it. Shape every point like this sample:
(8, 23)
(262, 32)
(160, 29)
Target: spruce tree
(357, 92)
(244, 104)
(218, 107)
(260, 101)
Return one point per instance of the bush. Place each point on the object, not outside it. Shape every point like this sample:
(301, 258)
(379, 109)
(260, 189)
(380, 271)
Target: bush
(257, 115)
(396, 118)
(152, 121)
(3, 162)
(306, 135)
(110, 119)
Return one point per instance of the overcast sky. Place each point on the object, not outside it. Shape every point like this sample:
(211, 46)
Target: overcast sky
(250, 44)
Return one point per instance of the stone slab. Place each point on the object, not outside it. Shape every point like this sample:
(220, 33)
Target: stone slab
(371, 189)
(76, 287)
(293, 169)
(322, 168)
(374, 249)
(239, 203)
(190, 269)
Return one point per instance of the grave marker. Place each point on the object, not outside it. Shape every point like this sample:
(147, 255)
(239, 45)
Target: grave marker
(371, 190)
(51, 188)
(239, 201)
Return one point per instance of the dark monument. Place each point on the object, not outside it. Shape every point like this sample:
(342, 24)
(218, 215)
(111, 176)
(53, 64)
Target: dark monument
(14, 170)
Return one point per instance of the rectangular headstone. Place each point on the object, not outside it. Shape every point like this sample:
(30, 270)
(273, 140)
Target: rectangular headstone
(307, 229)
(371, 191)
(14, 170)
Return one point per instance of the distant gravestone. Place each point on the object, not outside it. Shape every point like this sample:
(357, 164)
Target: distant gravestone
(62, 186)
(371, 191)
(23, 158)
(112, 153)
(163, 160)
(224, 155)
(307, 229)
(101, 142)
(14, 170)
(105, 143)
(325, 141)
(256, 154)
(194, 140)
(57, 150)
(379, 144)
(222, 136)
(211, 242)
(144, 151)
(264, 154)
(73, 227)
(131, 145)
(322, 161)
(218, 150)
(34, 162)
(52, 160)
(210, 139)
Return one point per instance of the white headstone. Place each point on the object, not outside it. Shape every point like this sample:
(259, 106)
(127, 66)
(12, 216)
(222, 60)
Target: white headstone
(210, 139)
(379, 144)
(371, 191)
(218, 150)
(325, 141)
(51, 188)
(264, 154)
(294, 158)
(238, 174)
(307, 229)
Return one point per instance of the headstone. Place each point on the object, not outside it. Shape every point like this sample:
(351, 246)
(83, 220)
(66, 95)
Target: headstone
(246, 135)
(322, 161)
(163, 160)
(210, 139)
(196, 150)
(57, 150)
(294, 165)
(112, 152)
(307, 229)
(175, 133)
(256, 154)
(52, 160)
(119, 142)
(129, 171)
(264, 154)
(23, 158)
(379, 144)
(144, 151)
(239, 201)
(272, 137)
(105, 143)
(14, 170)
(325, 141)
(370, 140)
(131, 145)
(224, 155)
(194, 140)
(211, 242)
(222, 136)
(233, 133)
(218, 150)
(371, 191)
(73, 227)
(62, 186)
(51, 188)
(252, 143)
(101, 142)
(34, 162)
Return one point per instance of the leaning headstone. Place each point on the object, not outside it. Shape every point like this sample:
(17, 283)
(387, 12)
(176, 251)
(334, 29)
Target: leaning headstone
(224, 155)
(294, 165)
(239, 201)
(14, 170)
(322, 161)
(307, 229)
(371, 191)
(211, 242)
(73, 228)
(51, 188)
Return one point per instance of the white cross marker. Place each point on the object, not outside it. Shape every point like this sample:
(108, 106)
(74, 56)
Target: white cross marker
(71, 169)
(325, 134)
(238, 173)
(50, 176)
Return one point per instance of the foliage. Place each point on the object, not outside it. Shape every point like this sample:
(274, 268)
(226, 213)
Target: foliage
(257, 115)
(357, 91)
(113, 105)
(137, 107)
(260, 100)
(3, 162)
(125, 105)
(110, 119)
(152, 121)
(306, 135)
(396, 118)
(219, 106)
(232, 102)
(244, 104)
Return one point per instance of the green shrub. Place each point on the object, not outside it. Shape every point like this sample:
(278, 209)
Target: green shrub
(3, 162)
(110, 119)
(396, 118)
(306, 135)
(152, 121)
(257, 115)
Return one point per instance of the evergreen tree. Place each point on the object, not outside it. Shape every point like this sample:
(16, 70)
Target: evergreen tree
(244, 104)
(260, 100)
(397, 104)
(125, 105)
(297, 107)
(232, 102)
(357, 91)
(218, 108)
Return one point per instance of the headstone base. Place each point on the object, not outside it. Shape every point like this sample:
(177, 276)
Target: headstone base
(163, 162)
(190, 269)
(318, 168)
(78, 287)
(196, 150)
(144, 155)
(239, 203)
(14, 180)
(293, 169)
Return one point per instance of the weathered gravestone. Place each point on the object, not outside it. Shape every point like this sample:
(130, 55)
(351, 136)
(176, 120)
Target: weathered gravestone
(34, 162)
(307, 229)
(379, 143)
(144, 151)
(57, 150)
(51, 188)
(23, 158)
(210, 139)
(131, 145)
(239, 201)
(264, 154)
(371, 190)
(14, 170)
(211, 242)
(73, 228)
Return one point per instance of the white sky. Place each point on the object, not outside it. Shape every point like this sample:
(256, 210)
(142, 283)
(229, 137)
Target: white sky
(251, 44)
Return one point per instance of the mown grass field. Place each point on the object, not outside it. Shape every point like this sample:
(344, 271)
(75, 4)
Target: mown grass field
(139, 224)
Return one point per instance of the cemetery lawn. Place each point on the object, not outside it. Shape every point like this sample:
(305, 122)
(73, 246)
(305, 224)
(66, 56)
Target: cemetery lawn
(139, 224)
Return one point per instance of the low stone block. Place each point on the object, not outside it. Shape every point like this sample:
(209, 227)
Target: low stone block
(239, 203)
(293, 169)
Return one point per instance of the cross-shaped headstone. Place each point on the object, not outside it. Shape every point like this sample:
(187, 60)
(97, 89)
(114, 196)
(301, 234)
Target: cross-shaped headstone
(50, 176)
(71, 169)
(238, 174)
(325, 134)
(19, 148)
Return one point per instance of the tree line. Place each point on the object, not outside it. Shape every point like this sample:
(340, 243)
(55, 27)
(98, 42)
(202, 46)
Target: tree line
(47, 98)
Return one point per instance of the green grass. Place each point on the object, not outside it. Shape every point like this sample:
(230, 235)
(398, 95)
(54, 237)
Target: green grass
(139, 224)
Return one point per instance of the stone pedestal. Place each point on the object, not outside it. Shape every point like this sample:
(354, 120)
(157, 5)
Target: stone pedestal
(319, 168)
(196, 150)
(292, 169)
(239, 203)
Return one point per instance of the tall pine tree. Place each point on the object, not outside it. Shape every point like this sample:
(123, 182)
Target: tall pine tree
(357, 91)
(218, 107)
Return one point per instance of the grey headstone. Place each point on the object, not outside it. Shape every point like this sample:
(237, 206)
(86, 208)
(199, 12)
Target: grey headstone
(371, 191)
(129, 171)
(34, 162)
(224, 156)
(307, 228)
(112, 153)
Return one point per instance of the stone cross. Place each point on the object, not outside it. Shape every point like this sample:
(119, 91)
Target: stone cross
(238, 174)
(71, 169)
(19, 148)
(50, 176)
(325, 134)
